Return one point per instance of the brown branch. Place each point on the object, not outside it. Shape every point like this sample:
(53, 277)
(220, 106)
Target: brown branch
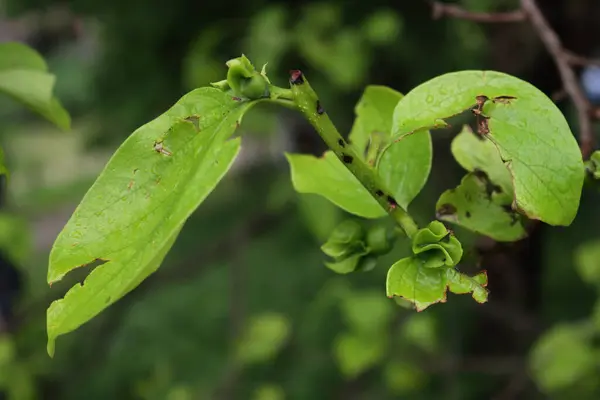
(441, 10)
(577, 60)
(563, 60)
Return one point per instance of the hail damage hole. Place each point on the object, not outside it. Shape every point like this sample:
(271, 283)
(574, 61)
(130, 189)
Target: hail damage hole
(504, 99)
(446, 209)
(347, 159)
(468, 214)
(159, 148)
(342, 143)
(379, 192)
(195, 120)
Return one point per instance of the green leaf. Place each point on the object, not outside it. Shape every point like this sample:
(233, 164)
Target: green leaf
(529, 131)
(264, 336)
(411, 279)
(374, 112)
(132, 214)
(475, 153)
(587, 262)
(408, 278)
(562, 357)
(348, 264)
(404, 166)
(24, 77)
(269, 392)
(462, 284)
(470, 205)
(356, 354)
(328, 177)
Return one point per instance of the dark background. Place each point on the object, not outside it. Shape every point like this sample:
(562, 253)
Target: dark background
(251, 251)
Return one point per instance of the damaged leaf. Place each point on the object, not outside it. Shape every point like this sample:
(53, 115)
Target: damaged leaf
(410, 279)
(132, 214)
(529, 131)
(476, 153)
(470, 206)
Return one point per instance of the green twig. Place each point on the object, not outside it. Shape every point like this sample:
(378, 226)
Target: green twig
(308, 104)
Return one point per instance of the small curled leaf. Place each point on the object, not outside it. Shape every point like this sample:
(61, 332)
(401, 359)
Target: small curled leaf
(437, 246)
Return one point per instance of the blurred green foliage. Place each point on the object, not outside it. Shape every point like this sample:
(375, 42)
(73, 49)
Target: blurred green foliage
(254, 246)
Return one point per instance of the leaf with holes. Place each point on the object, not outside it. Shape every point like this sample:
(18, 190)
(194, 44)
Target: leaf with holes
(477, 154)
(327, 176)
(404, 166)
(132, 214)
(470, 205)
(24, 76)
(529, 131)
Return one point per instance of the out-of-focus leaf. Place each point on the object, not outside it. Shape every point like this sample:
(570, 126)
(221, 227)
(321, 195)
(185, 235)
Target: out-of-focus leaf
(530, 133)
(421, 330)
(269, 392)
(321, 216)
(24, 77)
(131, 216)
(356, 354)
(264, 337)
(587, 261)
(383, 26)
(470, 205)
(403, 377)
(367, 311)
(327, 176)
(15, 237)
(562, 357)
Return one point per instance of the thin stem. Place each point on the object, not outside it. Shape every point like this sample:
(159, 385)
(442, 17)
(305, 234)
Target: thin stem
(308, 104)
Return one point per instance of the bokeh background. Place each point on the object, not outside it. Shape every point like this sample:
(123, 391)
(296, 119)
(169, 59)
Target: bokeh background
(243, 307)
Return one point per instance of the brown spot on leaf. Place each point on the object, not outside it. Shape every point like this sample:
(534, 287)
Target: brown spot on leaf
(296, 77)
(130, 185)
(347, 159)
(320, 109)
(234, 98)
(392, 202)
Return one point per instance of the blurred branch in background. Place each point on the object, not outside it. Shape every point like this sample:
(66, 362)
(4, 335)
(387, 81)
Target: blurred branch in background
(563, 58)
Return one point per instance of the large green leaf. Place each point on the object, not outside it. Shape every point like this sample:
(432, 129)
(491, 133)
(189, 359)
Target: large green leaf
(328, 177)
(529, 131)
(405, 165)
(24, 76)
(471, 206)
(132, 214)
